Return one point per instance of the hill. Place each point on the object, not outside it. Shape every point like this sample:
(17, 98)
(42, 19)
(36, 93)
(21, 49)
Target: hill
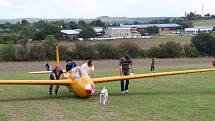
(204, 22)
(103, 18)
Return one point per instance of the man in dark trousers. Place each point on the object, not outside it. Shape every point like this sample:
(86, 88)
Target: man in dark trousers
(55, 75)
(47, 67)
(125, 63)
(153, 65)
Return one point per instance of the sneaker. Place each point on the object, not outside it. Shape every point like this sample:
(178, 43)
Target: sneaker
(122, 92)
(126, 91)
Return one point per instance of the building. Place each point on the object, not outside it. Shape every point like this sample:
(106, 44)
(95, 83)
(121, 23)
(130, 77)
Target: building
(69, 34)
(74, 34)
(162, 27)
(121, 32)
(195, 30)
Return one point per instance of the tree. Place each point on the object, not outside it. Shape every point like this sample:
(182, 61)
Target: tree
(213, 29)
(73, 25)
(98, 23)
(27, 32)
(207, 15)
(39, 36)
(40, 24)
(136, 22)
(82, 24)
(183, 23)
(87, 32)
(153, 30)
(49, 46)
(51, 40)
(70, 25)
(204, 43)
(161, 21)
(24, 22)
(193, 16)
(52, 29)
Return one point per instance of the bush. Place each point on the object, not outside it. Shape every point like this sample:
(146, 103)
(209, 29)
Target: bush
(21, 54)
(84, 51)
(130, 49)
(104, 51)
(204, 43)
(36, 52)
(153, 52)
(8, 52)
(64, 53)
(6, 39)
(170, 50)
(190, 51)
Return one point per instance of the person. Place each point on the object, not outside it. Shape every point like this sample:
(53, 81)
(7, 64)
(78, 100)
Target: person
(55, 75)
(89, 67)
(70, 64)
(47, 67)
(152, 65)
(125, 63)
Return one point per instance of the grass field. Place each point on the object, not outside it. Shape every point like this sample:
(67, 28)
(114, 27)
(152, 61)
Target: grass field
(143, 43)
(173, 98)
(204, 23)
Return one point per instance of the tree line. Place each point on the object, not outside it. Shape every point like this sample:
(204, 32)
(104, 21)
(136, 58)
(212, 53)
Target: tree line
(202, 45)
(23, 31)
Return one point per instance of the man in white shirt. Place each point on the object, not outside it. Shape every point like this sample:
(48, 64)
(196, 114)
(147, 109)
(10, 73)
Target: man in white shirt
(88, 67)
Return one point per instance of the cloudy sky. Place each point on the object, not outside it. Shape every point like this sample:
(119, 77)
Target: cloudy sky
(96, 8)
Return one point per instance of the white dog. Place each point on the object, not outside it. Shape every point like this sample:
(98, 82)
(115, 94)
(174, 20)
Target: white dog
(103, 96)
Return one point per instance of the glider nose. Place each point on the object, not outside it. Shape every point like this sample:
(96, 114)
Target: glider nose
(90, 89)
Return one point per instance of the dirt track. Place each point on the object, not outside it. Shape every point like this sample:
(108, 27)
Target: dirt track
(21, 67)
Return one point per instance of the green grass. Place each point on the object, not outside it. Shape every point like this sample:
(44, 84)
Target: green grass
(180, 98)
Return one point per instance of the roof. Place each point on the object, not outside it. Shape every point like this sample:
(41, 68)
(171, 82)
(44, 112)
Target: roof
(98, 29)
(201, 28)
(70, 32)
(149, 25)
(77, 31)
(119, 27)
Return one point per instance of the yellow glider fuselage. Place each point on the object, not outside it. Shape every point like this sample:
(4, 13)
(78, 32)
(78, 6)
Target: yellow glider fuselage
(82, 87)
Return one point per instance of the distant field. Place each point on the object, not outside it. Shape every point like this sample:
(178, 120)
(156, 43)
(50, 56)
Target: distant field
(204, 23)
(174, 98)
(143, 43)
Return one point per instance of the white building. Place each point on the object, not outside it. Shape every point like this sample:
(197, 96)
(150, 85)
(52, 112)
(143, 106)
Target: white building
(197, 29)
(121, 32)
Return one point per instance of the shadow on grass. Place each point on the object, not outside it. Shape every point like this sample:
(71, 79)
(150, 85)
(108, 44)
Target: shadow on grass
(42, 98)
(163, 93)
(73, 97)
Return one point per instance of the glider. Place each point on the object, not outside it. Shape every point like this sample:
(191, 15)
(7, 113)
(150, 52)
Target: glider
(83, 86)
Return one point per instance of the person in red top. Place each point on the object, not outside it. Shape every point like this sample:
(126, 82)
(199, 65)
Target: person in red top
(55, 75)
(125, 63)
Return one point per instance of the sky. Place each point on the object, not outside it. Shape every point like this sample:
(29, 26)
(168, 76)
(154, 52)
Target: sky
(95, 8)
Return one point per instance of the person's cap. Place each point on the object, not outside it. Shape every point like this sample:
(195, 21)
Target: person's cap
(57, 66)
